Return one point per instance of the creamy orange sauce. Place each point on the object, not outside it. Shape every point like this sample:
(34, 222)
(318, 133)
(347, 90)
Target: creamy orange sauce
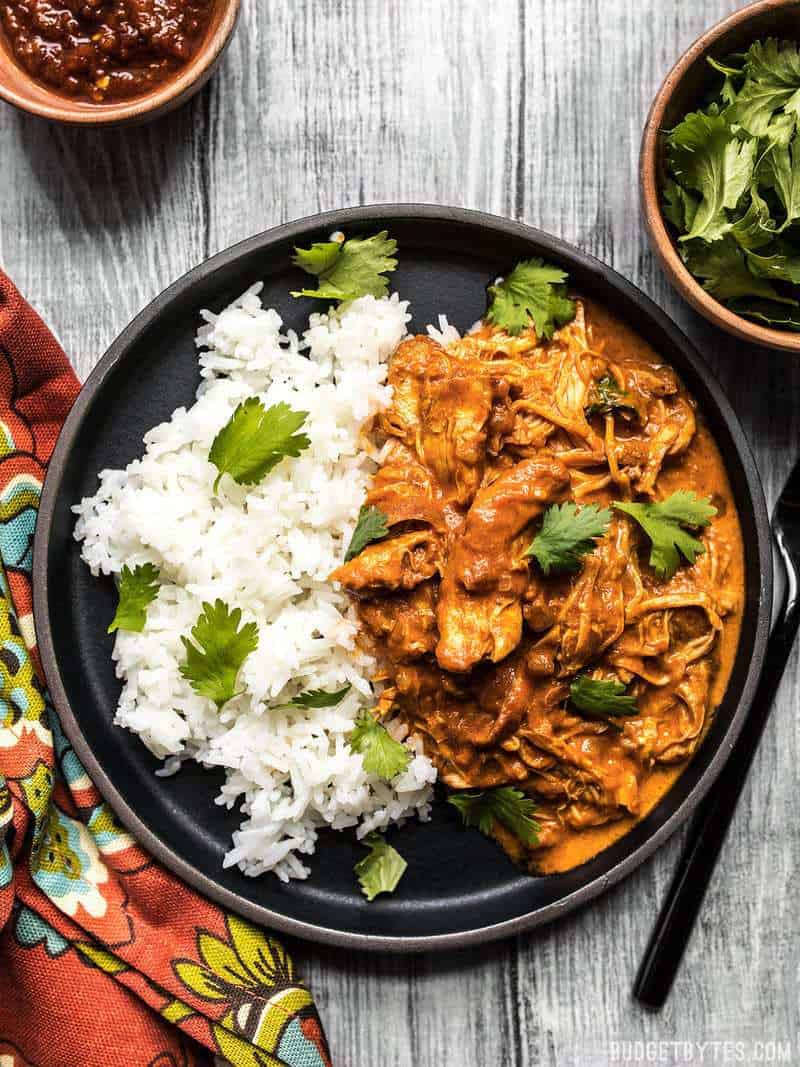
(706, 473)
(480, 644)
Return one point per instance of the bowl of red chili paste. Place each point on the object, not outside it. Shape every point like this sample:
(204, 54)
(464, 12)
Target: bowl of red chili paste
(108, 62)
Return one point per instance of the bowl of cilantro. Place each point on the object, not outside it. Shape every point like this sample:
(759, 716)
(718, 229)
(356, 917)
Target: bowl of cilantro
(720, 174)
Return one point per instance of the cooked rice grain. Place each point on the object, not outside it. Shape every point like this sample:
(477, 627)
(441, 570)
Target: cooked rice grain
(267, 549)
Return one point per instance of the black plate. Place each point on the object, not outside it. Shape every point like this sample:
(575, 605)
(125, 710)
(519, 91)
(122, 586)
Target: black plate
(460, 887)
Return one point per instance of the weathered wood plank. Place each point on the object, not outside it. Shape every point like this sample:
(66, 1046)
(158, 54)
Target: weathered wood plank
(532, 109)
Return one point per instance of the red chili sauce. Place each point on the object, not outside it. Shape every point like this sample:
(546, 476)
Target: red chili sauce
(104, 50)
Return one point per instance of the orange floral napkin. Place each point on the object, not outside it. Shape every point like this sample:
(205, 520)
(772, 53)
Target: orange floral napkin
(106, 960)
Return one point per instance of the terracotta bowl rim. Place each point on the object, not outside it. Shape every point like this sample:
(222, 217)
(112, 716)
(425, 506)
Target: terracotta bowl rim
(192, 77)
(661, 240)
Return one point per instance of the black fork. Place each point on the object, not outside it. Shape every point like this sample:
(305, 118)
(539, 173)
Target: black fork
(711, 821)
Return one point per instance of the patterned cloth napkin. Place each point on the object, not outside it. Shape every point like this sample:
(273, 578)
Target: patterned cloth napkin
(105, 959)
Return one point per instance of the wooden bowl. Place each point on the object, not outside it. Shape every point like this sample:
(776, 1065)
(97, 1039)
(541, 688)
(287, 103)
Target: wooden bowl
(17, 87)
(683, 91)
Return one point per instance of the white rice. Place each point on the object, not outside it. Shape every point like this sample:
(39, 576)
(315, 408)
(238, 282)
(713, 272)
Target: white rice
(445, 333)
(267, 549)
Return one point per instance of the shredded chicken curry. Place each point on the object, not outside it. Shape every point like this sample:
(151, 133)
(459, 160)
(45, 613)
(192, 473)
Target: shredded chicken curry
(477, 646)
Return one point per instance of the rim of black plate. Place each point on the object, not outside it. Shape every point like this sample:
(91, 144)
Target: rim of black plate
(146, 837)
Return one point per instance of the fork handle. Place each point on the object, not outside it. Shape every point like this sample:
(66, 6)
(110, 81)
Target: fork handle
(710, 824)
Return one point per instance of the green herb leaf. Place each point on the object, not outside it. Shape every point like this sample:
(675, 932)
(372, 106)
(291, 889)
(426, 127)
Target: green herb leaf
(756, 227)
(742, 155)
(722, 268)
(780, 170)
(505, 805)
(381, 870)
(680, 207)
(778, 316)
(380, 753)
(664, 524)
(217, 651)
(727, 94)
(318, 259)
(706, 155)
(533, 292)
(606, 397)
(567, 534)
(599, 698)
(772, 82)
(372, 526)
(349, 269)
(137, 589)
(256, 439)
(316, 698)
(776, 262)
(780, 131)
(732, 78)
(725, 68)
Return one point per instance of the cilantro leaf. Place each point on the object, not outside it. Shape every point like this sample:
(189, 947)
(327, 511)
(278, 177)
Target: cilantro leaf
(598, 698)
(780, 170)
(606, 397)
(217, 651)
(772, 70)
(780, 131)
(680, 207)
(664, 524)
(533, 292)
(372, 526)
(316, 698)
(722, 268)
(381, 870)
(380, 753)
(348, 269)
(756, 227)
(706, 155)
(567, 534)
(732, 77)
(778, 316)
(255, 439)
(741, 154)
(318, 259)
(505, 805)
(137, 589)
(776, 262)
(725, 68)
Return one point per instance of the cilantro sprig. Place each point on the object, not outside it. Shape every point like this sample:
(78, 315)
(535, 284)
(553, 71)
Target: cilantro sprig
(665, 524)
(350, 268)
(703, 156)
(533, 294)
(372, 525)
(255, 439)
(732, 187)
(138, 588)
(381, 870)
(568, 532)
(606, 398)
(315, 698)
(771, 84)
(380, 753)
(217, 651)
(505, 805)
(597, 698)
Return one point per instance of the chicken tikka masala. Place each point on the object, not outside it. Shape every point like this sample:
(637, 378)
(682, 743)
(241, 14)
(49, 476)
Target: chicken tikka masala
(533, 623)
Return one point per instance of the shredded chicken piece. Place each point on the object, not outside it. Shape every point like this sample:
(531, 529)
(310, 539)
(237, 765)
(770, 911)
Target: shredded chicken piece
(477, 646)
(593, 615)
(401, 562)
(480, 600)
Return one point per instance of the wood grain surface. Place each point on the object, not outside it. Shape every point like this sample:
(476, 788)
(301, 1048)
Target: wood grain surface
(529, 109)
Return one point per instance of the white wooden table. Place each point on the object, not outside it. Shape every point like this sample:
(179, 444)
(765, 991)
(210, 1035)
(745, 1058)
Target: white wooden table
(529, 109)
